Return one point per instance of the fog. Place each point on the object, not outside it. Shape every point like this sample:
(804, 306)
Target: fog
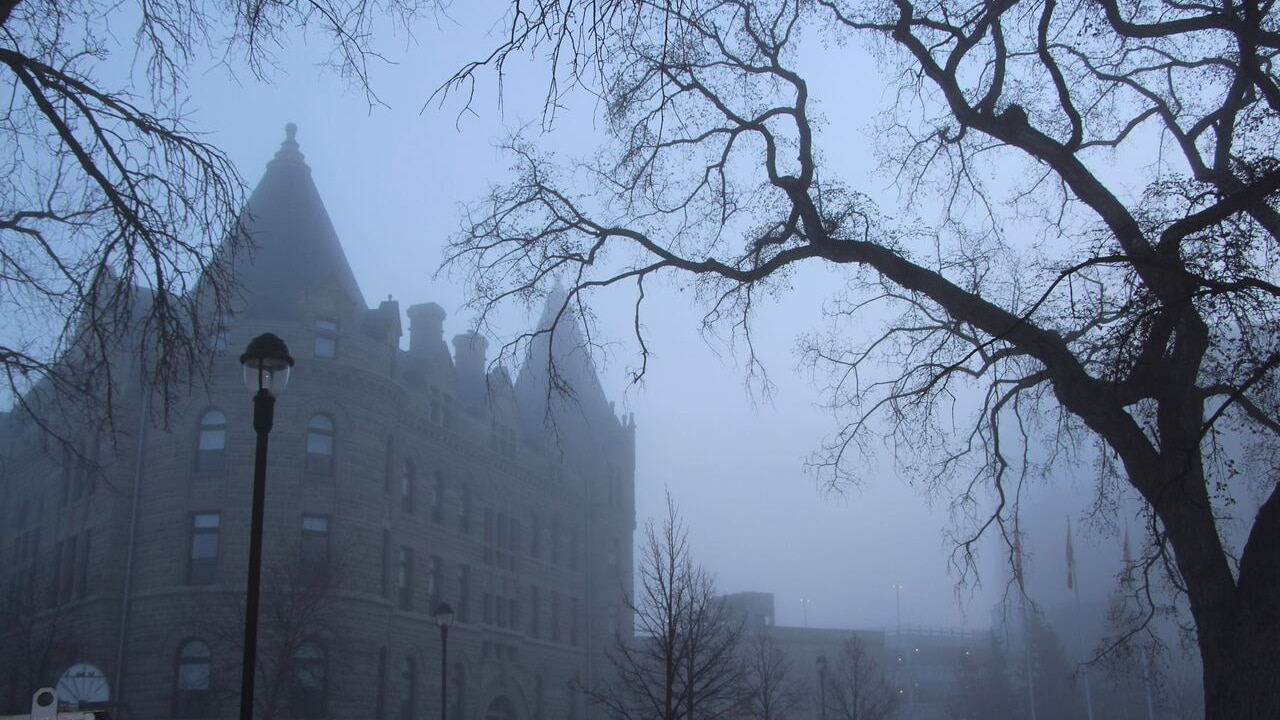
(393, 170)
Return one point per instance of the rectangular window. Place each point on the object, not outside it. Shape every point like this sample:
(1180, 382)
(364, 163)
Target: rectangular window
(555, 616)
(535, 538)
(437, 497)
(386, 564)
(202, 567)
(574, 621)
(464, 508)
(404, 578)
(326, 338)
(66, 583)
(314, 551)
(57, 573)
(613, 621)
(464, 593)
(82, 571)
(408, 478)
(435, 588)
(555, 542)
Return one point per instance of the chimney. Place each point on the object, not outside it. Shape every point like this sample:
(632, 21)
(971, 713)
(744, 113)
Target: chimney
(469, 361)
(468, 356)
(426, 328)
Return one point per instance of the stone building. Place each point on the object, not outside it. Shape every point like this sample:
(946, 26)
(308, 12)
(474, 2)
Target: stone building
(397, 479)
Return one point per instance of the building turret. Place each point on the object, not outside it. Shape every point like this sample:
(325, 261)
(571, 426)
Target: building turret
(296, 268)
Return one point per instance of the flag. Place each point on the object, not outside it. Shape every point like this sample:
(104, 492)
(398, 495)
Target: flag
(1071, 559)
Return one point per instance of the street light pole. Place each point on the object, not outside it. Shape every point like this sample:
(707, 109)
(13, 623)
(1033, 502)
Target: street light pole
(897, 603)
(822, 686)
(266, 373)
(444, 618)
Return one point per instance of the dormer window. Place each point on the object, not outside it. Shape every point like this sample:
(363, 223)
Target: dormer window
(326, 345)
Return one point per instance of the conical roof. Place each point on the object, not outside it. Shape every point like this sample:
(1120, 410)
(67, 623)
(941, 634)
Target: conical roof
(297, 256)
(578, 397)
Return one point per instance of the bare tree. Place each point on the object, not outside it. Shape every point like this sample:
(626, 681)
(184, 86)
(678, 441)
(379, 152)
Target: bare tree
(299, 616)
(683, 663)
(35, 644)
(118, 223)
(770, 690)
(1130, 327)
(855, 686)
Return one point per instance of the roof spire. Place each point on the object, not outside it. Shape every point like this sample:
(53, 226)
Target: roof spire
(289, 153)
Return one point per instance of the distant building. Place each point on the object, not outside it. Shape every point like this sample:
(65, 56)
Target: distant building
(397, 480)
(920, 664)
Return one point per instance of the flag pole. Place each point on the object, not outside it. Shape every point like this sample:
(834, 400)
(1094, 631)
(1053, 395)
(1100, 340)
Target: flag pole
(1026, 625)
(1073, 582)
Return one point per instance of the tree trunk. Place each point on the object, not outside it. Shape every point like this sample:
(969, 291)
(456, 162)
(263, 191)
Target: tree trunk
(1241, 647)
(1242, 678)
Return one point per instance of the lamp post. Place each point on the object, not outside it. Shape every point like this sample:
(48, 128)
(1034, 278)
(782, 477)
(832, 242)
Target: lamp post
(444, 618)
(266, 365)
(822, 687)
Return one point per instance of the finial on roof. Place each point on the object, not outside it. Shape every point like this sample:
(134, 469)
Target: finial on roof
(289, 152)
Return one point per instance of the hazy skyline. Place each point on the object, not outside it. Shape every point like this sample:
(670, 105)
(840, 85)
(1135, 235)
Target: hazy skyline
(392, 178)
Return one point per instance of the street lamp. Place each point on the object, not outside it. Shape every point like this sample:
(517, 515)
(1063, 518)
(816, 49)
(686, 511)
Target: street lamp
(266, 365)
(444, 618)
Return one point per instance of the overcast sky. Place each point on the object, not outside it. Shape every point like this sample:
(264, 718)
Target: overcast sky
(392, 178)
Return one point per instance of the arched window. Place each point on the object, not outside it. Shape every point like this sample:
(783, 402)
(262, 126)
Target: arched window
(191, 680)
(211, 443)
(310, 668)
(408, 688)
(408, 479)
(320, 445)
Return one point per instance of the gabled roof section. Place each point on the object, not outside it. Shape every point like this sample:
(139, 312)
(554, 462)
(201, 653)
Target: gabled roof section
(297, 263)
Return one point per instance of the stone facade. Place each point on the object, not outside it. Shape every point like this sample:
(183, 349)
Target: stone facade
(397, 479)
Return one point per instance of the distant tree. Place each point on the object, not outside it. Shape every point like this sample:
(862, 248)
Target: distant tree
(982, 690)
(770, 689)
(1084, 244)
(684, 662)
(855, 686)
(1052, 683)
(117, 221)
